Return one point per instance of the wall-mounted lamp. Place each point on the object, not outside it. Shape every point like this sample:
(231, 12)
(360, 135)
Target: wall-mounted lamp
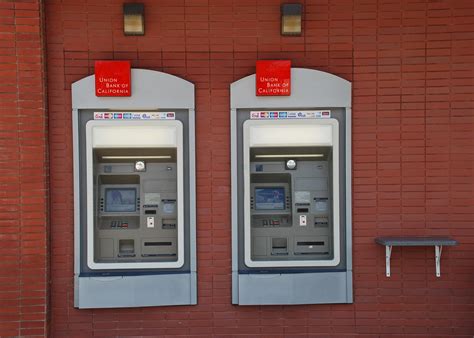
(291, 19)
(133, 19)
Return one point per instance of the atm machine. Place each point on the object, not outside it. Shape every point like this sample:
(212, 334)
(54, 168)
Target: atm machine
(134, 194)
(291, 180)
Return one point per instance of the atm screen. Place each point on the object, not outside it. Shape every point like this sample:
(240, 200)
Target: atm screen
(272, 198)
(120, 199)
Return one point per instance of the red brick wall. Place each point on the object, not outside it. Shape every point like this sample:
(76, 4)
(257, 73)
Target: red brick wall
(23, 171)
(412, 68)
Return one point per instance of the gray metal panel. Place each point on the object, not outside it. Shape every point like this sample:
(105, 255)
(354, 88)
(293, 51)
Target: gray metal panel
(329, 254)
(350, 297)
(242, 116)
(134, 291)
(234, 199)
(193, 287)
(76, 183)
(77, 217)
(349, 287)
(192, 205)
(298, 288)
(150, 90)
(416, 241)
(235, 287)
(309, 88)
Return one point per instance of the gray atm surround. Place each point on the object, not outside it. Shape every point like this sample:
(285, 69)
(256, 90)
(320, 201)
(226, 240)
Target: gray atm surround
(276, 234)
(311, 90)
(113, 252)
(145, 232)
(152, 91)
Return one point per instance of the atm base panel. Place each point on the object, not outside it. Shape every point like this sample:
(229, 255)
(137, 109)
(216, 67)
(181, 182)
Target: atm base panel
(135, 291)
(294, 289)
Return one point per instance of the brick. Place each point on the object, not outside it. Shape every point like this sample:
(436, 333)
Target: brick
(411, 66)
(23, 38)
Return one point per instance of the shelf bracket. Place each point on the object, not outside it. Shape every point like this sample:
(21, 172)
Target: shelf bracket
(388, 253)
(438, 251)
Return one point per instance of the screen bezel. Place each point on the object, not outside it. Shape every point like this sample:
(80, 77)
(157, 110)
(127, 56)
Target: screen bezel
(106, 190)
(282, 188)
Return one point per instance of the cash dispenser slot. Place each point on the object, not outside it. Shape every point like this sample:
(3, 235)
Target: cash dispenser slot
(310, 246)
(279, 246)
(158, 243)
(310, 243)
(126, 248)
(159, 247)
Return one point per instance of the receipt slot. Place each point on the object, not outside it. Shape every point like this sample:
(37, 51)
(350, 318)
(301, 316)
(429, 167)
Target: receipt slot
(291, 216)
(134, 194)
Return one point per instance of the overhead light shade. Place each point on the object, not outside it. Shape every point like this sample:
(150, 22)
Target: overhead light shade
(291, 19)
(289, 155)
(135, 157)
(133, 19)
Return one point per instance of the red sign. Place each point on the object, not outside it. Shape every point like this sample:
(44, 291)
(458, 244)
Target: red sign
(273, 78)
(112, 78)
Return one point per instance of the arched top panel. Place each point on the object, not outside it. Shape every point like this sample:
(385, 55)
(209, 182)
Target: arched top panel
(309, 88)
(150, 90)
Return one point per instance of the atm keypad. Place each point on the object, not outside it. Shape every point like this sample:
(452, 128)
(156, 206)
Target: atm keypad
(271, 222)
(118, 225)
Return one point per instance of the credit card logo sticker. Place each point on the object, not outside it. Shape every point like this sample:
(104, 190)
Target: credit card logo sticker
(307, 114)
(134, 116)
